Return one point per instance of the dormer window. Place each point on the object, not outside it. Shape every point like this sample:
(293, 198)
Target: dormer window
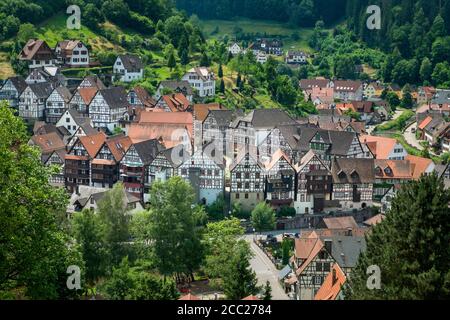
(354, 174)
(388, 170)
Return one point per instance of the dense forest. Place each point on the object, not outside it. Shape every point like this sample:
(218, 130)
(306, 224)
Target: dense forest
(298, 12)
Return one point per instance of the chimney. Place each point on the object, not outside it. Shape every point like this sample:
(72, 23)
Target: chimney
(328, 245)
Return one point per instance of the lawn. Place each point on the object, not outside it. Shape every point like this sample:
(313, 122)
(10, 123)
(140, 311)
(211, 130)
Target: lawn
(267, 28)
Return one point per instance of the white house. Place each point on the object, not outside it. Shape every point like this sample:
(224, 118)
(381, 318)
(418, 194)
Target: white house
(235, 48)
(32, 101)
(12, 89)
(38, 54)
(56, 104)
(72, 53)
(108, 108)
(128, 68)
(261, 57)
(296, 57)
(72, 120)
(203, 80)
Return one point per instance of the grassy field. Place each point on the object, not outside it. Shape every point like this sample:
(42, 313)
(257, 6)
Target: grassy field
(54, 30)
(270, 28)
(6, 70)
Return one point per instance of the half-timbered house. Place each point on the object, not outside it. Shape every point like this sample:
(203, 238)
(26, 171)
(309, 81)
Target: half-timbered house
(32, 101)
(105, 164)
(279, 188)
(12, 89)
(247, 181)
(205, 171)
(82, 99)
(314, 184)
(77, 169)
(56, 104)
(38, 54)
(91, 82)
(134, 166)
(56, 159)
(353, 181)
(108, 108)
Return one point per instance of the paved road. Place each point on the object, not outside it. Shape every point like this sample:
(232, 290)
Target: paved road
(265, 270)
(410, 137)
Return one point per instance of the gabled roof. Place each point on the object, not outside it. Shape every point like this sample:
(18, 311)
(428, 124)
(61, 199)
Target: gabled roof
(375, 220)
(18, 83)
(176, 102)
(41, 90)
(277, 156)
(381, 147)
(115, 97)
(64, 93)
(182, 85)
(307, 249)
(399, 169)
(93, 143)
(347, 85)
(167, 134)
(419, 165)
(118, 145)
(131, 62)
(223, 117)
(311, 83)
(48, 142)
(332, 285)
(353, 171)
(201, 110)
(87, 94)
(95, 82)
(202, 72)
(36, 50)
(148, 150)
(144, 96)
(340, 223)
(241, 157)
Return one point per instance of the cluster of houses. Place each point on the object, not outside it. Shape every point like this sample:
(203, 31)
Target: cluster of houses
(262, 48)
(433, 120)
(324, 258)
(99, 135)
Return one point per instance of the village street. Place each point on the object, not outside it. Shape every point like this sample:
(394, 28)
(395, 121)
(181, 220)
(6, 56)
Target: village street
(265, 270)
(410, 137)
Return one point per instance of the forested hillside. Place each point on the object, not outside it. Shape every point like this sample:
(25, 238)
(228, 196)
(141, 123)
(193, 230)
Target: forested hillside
(299, 12)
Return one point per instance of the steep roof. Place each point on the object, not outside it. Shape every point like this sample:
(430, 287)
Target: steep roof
(419, 165)
(93, 143)
(201, 110)
(87, 94)
(375, 220)
(48, 142)
(18, 83)
(131, 62)
(167, 134)
(41, 90)
(36, 50)
(223, 117)
(182, 85)
(311, 83)
(202, 72)
(380, 147)
(332, 285)
(425, 122)
(144, 96)
(347, 85)
(353, 171)
(64, 93)
(176, 102)
(148, 150)
(116, 97)
(118, 145)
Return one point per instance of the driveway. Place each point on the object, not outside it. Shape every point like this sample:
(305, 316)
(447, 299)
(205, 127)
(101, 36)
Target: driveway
(265, 270)
(410, 137)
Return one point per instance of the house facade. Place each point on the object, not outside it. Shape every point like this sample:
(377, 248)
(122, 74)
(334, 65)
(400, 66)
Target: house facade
(56, 104)
(32, 101)
(108, 107)
(38, 54)
(128, 68)
(247, 181)
(203, 80)
(72, 53)
(12, 90)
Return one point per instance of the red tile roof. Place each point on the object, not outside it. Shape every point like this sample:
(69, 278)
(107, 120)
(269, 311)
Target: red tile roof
(48, 142)
(87, 94)
(93, 143)
(419, 165)
(340, 223)
(332, 285)
(425, 122)
(176, 102)
(381, 147)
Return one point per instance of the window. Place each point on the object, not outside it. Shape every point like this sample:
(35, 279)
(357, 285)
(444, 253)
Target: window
(237, 195)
